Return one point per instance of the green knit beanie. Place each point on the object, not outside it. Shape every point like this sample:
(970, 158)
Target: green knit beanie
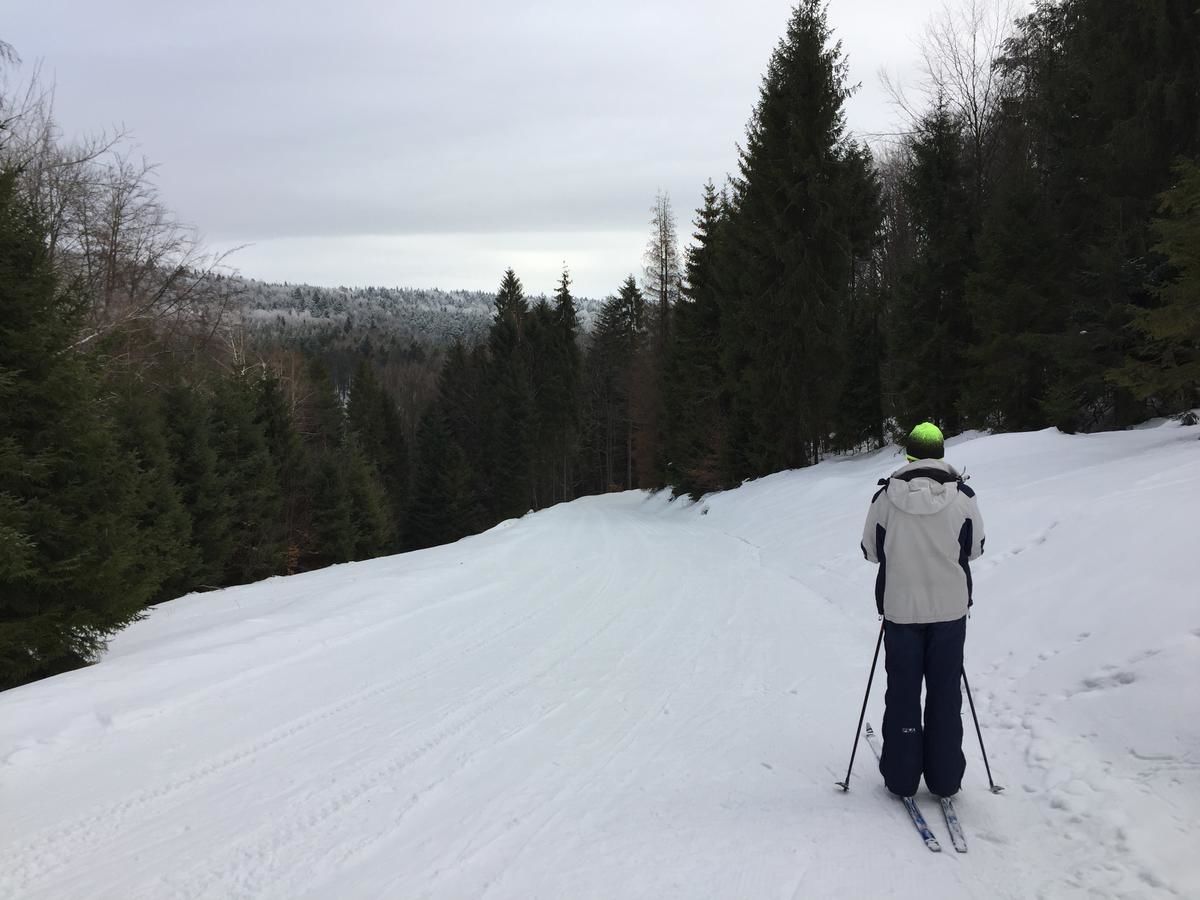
(925, 442)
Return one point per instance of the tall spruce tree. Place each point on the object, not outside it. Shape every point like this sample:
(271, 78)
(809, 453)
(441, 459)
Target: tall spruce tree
(799, 206)
(564, 384)
(618, 343)
(693, 390)
(930, 326)
(513, 417)
(858, 418)
(540, 340)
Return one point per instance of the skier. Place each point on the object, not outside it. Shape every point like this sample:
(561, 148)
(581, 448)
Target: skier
(923, 529)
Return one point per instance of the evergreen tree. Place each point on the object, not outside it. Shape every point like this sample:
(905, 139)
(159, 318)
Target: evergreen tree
(445, 500)
(334, 529)
(1165, 364)
(799, 207)
(201, 486)
(693, 400)
(541, 339)
(449, 500)
(70, 572)
(251, 481)
(513, 419)
(375, 422)
(1108, 94)
(859, 420)
(1018, 303)
(292, 468)
(464, 511)
(619, 340)
(372, 522)
(465, 400)
(563, 384)
(166, 552)
(429, 519)
(930, 324)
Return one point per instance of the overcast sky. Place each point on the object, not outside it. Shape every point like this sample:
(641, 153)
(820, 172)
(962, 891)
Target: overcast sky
(433, 144)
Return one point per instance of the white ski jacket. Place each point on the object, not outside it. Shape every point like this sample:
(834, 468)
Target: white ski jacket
(923, 529)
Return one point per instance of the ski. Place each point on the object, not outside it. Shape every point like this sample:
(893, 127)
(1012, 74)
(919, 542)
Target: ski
(918, 821)
(955, 827)
(914, 811)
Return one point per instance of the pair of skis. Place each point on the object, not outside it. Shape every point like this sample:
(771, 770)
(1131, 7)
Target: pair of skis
(952, 824)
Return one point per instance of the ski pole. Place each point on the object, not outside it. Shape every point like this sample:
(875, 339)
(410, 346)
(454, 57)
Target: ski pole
(995, 787)
(845, 785)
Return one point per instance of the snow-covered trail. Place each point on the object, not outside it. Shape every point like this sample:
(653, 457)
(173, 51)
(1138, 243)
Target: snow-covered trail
(622, 697)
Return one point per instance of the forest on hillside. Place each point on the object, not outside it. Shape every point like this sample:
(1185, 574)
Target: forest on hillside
(385, 326)
(1026, 253)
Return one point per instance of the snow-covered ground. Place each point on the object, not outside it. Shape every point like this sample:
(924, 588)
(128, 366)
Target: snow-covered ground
(624, 697)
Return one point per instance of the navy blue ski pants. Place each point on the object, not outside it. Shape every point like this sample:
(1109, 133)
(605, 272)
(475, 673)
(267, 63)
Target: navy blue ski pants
(933, 653)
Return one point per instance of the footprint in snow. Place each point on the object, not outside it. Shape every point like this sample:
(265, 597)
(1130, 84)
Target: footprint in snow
(1099, 683)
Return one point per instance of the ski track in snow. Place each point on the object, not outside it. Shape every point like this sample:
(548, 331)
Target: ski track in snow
(626, 697)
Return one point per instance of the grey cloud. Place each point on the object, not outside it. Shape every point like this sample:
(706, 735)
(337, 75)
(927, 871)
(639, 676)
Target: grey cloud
(304, 119)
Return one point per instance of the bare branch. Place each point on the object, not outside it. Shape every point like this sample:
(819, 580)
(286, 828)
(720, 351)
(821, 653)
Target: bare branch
(959, 50)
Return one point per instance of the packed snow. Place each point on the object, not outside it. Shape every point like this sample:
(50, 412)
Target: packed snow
(627, 697)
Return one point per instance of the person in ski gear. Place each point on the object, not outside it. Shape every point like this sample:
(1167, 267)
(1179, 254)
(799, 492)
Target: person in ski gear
(923, 529)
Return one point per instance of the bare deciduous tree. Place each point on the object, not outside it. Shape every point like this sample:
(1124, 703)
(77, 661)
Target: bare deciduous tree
(107, 229)
(663, 276)
(958, 52)
(140, 266)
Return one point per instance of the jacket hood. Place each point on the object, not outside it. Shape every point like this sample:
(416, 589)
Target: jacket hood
(923, 495)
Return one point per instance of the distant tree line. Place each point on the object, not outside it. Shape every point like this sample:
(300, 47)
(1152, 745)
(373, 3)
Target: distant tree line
(1025, 254)
(309, 317)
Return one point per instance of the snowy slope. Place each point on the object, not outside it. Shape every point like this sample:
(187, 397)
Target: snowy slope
(628, 698)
